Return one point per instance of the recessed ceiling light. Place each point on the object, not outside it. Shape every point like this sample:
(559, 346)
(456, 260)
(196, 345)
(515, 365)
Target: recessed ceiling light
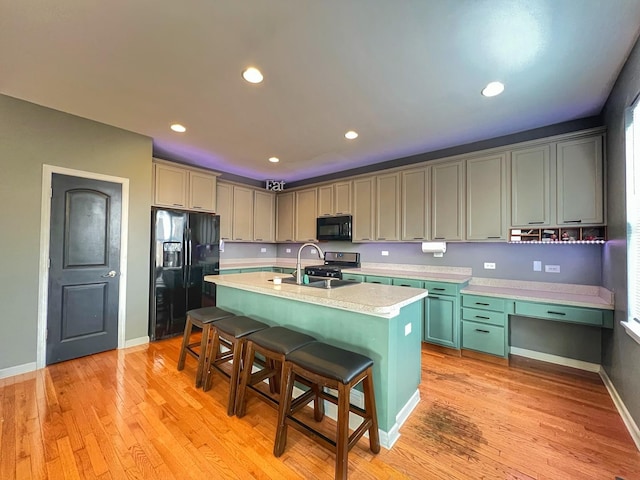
(274, 159)
(176, 127)
(252, 75)
(351, 135)
(493, 89)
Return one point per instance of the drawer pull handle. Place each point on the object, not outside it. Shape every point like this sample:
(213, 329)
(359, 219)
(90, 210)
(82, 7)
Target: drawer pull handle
(535, 223)
(555, 313)
(573, 221)
(404, 285)
(438, 289)
(483, 318)
(483, 304)
(482, 331)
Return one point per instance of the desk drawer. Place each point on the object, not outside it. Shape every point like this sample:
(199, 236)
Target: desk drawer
(485, 303)
(483, 316)
(439, 288)
(586, 316)
(483, 338)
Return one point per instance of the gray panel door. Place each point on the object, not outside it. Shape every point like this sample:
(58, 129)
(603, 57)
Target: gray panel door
(84, 270)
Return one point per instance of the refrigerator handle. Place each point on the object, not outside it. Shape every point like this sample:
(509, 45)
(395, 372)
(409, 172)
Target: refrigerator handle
(187, 257)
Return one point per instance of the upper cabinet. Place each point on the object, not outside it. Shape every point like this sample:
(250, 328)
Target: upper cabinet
(285, 216)
(447, 201)
(580, 182)
(264, 216)
(306, 212)
(558, 184)
(486, 198)
(363, 209)
(531, 186)
(334, 199)
(388, 207)
(246, 214)
(416, 199)
(182, 187)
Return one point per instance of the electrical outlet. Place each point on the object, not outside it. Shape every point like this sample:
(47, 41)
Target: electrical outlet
(287, 250)
(263, 250)
(407, 329)
(537, 266)
(385, 253)
(552, 268)
(489, 265)
(313, 251)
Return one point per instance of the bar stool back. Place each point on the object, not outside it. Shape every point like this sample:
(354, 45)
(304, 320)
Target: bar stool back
(201, 318)
(231, 332)
(339, 369)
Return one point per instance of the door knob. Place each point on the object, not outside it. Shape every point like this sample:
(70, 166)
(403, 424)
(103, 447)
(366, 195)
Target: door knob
(111, 274)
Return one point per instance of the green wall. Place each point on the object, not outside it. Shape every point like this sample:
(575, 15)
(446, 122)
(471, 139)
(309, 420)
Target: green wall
(30, 136)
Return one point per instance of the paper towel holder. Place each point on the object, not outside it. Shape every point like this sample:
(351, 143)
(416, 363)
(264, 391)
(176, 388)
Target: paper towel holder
(437, 248)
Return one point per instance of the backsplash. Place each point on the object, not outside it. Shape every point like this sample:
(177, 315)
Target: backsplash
(579, 264)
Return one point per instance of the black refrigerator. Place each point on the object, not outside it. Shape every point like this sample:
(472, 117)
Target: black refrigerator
(184, 248)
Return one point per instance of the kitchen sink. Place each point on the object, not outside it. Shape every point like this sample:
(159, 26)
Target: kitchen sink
(326, 283)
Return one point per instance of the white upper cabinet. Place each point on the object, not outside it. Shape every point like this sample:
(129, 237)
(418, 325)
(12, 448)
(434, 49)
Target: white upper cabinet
(334, 199)
(363, 209)
(225, 210)
(531, 186)
(388, 207)
(580, 181)
(181, 187)
(285, 217)
(263, 216)
(416, 198)
(306, 212)
(325, 201)
(242, 214)
(447, 201)
(486, 198)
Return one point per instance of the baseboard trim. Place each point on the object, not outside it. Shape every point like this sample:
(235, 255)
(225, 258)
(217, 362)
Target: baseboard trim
(628, 420)
(547, 357)
(17, 370)
(134, 342)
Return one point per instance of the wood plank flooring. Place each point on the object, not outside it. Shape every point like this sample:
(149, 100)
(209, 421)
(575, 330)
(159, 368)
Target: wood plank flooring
(130, 414)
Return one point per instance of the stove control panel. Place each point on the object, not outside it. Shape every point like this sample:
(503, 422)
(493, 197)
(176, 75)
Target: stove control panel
(323, 271)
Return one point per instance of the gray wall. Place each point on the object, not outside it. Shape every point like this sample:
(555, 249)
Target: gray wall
(621, 355)
(31, 136)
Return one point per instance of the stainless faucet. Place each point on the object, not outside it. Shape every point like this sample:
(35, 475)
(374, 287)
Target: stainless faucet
(299, 267)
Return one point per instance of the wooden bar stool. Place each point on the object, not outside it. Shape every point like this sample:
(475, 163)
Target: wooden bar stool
(201, 318)
(274, 344)
(231, 332)
(329, 366)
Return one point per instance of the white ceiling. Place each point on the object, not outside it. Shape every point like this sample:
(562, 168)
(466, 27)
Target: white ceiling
(405, 74)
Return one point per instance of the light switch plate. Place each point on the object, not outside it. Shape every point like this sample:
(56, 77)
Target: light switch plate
(287, 250)
(537, 266)
(263, 250)
(385, 253)
(552, 268)
(489, 265)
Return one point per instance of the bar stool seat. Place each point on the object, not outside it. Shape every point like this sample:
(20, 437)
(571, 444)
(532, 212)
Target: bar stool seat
(201, 318)
(231, 332)
(274, 344)
(329, 366)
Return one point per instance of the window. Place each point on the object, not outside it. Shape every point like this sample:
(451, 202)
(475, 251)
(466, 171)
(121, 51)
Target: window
(632, 325)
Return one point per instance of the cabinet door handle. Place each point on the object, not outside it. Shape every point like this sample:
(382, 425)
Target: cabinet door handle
(418, 238)
(367, 238)
(551, 312)
(381, 238)
(483, 304)
(494, 237)
(196, 206)
(258, 239)
(483, 318)
(238, 238)
(438, 289)
(535, 223)
(572, 221)
(482, 331)
(435, 298)
(404, 285)
(438, 238)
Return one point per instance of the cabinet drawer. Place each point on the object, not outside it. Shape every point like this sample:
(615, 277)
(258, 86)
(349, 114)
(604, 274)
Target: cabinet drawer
(484, 303)
(483, 338)
(407, 282)
(353, 276)
(483, 316)
(439, 288)
(560, 313)
(375, 279)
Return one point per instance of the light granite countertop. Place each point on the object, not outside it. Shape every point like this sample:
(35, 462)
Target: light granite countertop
(367, 298)
(590, 296)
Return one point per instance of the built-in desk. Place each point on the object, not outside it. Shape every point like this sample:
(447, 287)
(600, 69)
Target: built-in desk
(488, 303)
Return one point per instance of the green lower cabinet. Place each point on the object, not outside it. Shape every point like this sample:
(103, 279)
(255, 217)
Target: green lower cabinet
(353, 276)
(483, 338)
(485, 324)
(407, 282)
(442, 320)
(376, 279)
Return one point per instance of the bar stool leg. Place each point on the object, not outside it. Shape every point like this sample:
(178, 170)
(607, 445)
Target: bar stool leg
(284, 408)
(342, 441)
(245, 375)
(202, 358)
(371, 411)
(185, 343)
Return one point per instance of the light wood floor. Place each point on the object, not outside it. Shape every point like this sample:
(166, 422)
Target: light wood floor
(131, 414)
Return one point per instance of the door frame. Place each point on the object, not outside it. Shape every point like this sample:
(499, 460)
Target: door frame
(45, 233)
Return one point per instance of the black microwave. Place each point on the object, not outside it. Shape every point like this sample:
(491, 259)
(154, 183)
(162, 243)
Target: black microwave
(334, 228)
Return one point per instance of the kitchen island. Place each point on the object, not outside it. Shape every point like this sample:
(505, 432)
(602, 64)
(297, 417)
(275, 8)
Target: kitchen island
(380, 321)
